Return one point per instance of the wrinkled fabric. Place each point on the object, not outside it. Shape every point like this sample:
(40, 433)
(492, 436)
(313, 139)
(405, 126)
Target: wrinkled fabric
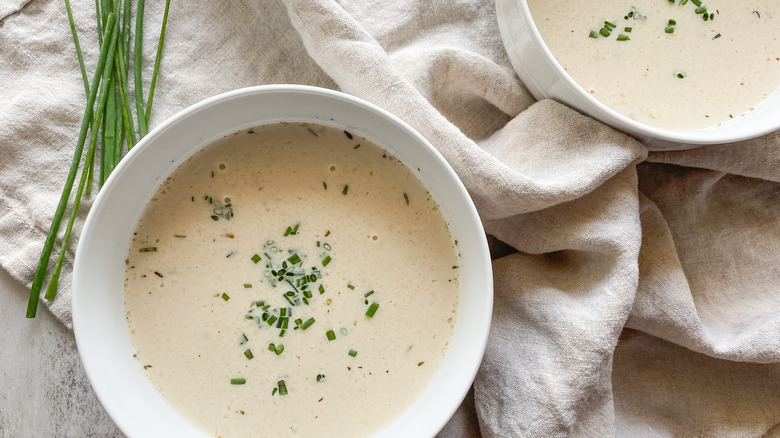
(636, 293)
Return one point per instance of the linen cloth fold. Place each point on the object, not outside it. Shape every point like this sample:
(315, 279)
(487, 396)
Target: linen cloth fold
(636, 294)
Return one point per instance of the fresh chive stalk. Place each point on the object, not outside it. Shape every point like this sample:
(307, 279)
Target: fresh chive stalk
(107, 104)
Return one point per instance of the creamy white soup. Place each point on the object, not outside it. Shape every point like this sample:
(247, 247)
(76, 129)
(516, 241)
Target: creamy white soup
(291, 280)
(679, 65)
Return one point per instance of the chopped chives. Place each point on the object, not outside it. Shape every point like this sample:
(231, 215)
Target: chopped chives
(350, 286)
(372, 310)
(622, 38)
(243, 339)
(248, 354)
(247, 285)
(237, 381)
(148, 249)
(627, 29)
(324, 185)
(255, 258)
(696, 2)
(322, 289)
(330, 335)
(346, 188)
(368, 294)
(274, 391)
(307, 323)
(669, 29)
(278, 349)
(320, 377)
(294, 259)
(282, 387)
(352, 353)
(325, 261)
(225, 296)
(604, 32)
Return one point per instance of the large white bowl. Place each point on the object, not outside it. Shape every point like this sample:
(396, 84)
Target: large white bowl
(546, 79)
(98, 296)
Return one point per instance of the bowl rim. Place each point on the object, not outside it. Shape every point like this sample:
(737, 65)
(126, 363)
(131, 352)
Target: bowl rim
(469, 370)
(686, 137)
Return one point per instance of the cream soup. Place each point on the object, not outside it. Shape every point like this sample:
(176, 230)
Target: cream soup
(292, 279)
(661, 63)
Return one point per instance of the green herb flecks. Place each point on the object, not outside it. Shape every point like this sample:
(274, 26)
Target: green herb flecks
(352, 353)
(219, 210)
(372, 310)
(237, 381)
(276, 348)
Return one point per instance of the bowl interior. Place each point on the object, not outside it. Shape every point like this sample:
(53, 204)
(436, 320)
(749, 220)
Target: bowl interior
(98, 295)
(545, 78)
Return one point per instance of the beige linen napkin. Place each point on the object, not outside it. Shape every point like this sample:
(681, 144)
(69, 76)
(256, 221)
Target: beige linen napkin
(635, 294)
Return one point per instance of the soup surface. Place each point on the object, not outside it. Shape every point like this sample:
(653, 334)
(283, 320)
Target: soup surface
(660, 63)
(291, 280)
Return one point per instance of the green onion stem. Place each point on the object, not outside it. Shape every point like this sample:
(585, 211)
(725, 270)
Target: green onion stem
(157, 62)
(100, 31)
(109, 132)
(79, 54)
(138, 58)
(105, 84)
(124, 95)
(40, 272)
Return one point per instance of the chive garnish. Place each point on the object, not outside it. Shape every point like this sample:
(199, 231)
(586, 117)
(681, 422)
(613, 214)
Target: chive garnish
(237, 381)
(344, 191)
(248, 354)
(247, 285)
(320, 377)
(350, 286)
(325, 261)
(282, 387)
(330, 335)
(225, 296)
(148, 249)
(243, 339)
(294, 259)
(352, 353)
(322, 289)
(278, 349)
(255, 258)
(622, 37)
(306, 324)
(372, 310)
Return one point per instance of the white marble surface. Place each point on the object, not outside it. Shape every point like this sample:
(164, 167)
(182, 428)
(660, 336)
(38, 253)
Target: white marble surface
(43, 389)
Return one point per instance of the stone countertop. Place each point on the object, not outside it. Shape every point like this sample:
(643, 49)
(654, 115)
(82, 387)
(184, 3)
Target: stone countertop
(45, 392)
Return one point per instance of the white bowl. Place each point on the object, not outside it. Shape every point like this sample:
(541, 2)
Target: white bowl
(98, 294)
(546, 79)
